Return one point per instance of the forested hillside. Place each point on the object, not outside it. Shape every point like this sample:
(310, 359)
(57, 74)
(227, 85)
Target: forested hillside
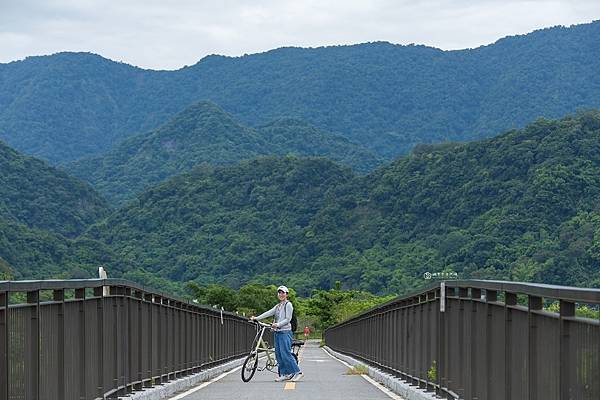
(386, 97)
(223, 224)
(40, 209)
(40, 196)
(523, 206)
(204, 133)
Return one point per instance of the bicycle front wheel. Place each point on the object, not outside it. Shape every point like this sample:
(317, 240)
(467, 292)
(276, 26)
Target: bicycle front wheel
(249, 367)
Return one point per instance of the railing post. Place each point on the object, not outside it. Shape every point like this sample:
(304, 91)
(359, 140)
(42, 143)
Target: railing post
(395, 334)
(463, 295)
(510, 301)
(126, 304)
(149, 298)
(114, 291)
(192, 337)
(167, 338)
(80, 295)
(534, 304)
(473, 368)
(567, 311)
(99, 294)
(446, 381)
(422, 334)
(199, 338)
(175, 335)
(205, 336)
(165, 342)
(4, 343)
(186, 348)
(33, 297)
(411, 346)
(159, 343)
(59, 296)
(166, 345)
(173, 374)
(414, 333)
(181, 337)
(430, 354)
(491, 296)
(140, 327)
(440, 332)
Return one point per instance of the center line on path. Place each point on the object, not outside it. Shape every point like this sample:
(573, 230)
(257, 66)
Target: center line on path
(289, 386)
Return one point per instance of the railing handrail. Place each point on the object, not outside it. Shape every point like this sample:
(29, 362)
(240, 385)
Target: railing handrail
(557, 292)
(569, 293)
(61, 284)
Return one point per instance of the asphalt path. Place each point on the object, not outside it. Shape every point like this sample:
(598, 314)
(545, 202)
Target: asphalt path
(324, 378)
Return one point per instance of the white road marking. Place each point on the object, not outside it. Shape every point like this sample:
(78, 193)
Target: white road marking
(205, 384)
(379, 386)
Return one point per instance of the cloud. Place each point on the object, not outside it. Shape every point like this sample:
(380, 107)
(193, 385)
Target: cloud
(167, 34)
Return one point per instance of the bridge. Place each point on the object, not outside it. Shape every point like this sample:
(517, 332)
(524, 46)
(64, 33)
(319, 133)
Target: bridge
(110, 338)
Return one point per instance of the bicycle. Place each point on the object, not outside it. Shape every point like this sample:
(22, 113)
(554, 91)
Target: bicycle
(260, 345)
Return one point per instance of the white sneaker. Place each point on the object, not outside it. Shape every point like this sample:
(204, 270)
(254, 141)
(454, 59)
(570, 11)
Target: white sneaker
(297, 377)
(283, 378)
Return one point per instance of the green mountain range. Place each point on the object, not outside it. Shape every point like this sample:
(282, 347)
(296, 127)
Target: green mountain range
(37, 195)
(523, 206)
(40, 208)
(386, 97)
(203, 133)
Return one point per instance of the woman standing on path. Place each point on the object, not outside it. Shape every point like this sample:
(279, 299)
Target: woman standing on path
(282, 327)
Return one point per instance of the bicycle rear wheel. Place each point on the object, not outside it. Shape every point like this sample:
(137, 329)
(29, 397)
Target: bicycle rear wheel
(249, 367)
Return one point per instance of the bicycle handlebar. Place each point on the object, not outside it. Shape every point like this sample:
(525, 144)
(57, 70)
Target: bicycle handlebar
(260, 323)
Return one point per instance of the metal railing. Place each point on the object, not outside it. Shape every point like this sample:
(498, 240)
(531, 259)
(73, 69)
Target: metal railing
(457, 339)
(97, 339)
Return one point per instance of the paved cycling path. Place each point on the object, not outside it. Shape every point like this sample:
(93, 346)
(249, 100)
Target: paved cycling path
(324, 378)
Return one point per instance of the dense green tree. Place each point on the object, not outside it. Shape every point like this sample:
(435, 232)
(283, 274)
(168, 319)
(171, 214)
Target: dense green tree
(254, 298)
(215, 295)
(336, 305)
(6, 272)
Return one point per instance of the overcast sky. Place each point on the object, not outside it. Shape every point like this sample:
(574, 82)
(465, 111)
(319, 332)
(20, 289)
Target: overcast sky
(168, 34)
